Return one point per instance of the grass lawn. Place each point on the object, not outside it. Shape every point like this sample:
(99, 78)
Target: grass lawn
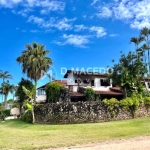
(15, 134)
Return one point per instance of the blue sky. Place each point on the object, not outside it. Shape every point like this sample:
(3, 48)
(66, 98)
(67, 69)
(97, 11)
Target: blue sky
(78, 33)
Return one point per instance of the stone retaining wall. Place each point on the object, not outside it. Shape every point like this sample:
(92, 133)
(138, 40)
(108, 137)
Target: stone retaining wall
(81, 112)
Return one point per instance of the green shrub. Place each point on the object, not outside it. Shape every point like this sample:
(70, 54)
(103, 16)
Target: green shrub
(147, 102)
(89, 94)
(112, 105)
(2, 116)
(6, 112)
(131, 104)
(53, 91)
(27, 117)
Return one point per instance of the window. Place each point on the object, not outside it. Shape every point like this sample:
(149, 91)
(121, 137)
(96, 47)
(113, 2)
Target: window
(71, 88)
(85, 81)
(104, 82)
(92, 82)
(41, 91)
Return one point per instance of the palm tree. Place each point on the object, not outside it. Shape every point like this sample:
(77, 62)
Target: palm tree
(137, 41)
(4, 75)
(144, 48)
(146, 32)
(34, 61)
(7, 88)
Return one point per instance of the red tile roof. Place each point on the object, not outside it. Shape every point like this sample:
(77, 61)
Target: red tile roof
(109, 93)
(115, 89)
(63, 82)
(76, 94)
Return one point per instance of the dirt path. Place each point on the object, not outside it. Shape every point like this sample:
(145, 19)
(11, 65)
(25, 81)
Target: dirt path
(139, 143)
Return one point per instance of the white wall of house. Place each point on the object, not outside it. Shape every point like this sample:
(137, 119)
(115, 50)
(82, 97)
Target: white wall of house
(41, 95)
(147, 86)
(70, 79)
(40, 98)
(97, 85)
(97, 82)
(75, 88)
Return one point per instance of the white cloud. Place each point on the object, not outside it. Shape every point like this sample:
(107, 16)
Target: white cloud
(52, 6)
(79, 27)
(135, 12)
(34, 31)
(104, 12)
(47, 5)
(113, 35)
(23, 12)
(9, 3)
(94, 2)
(100, 31)
(64, 24)
(36, 20)
(75, 40)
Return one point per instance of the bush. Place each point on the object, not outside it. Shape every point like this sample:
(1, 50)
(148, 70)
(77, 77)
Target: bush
(89, 93)
(112, 105)
(147, 102)
(6, 112)
(27, 117)
(131, 104)
(53, 91)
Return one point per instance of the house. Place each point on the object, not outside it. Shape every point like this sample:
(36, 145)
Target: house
(41, 94)
(78, 81)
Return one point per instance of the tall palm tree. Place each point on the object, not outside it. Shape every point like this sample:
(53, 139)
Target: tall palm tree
(34, 61)
(144, 48)
(4, 75)
(146, 33)
(137, 41)
(7, 88)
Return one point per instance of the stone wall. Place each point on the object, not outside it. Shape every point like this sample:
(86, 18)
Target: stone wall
(81, 112)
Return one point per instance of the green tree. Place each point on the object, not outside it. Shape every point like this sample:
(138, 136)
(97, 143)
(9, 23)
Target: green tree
(131, 104)
(4, 75)
(53, 91)
(21, 96)
(89, 94)
(129, 73)
(34, 61)
(146, 33)
(30, 100)
(137, 41)
(7, 88)
(112, 106)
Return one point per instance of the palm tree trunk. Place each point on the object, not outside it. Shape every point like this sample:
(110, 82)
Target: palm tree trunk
(33, 104)
(3, 92)
(5, 101)
(148, 63)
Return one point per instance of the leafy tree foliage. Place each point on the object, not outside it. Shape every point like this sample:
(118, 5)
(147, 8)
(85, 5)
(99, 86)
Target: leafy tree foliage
(144, 40)
(20, 93)
(112, 105)
(147, 102)
(30, 103)
(131, 104)
(129, 73)
(34, 60)
(4, 75)
(89, 94)
(6, 89)
(53, 91)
